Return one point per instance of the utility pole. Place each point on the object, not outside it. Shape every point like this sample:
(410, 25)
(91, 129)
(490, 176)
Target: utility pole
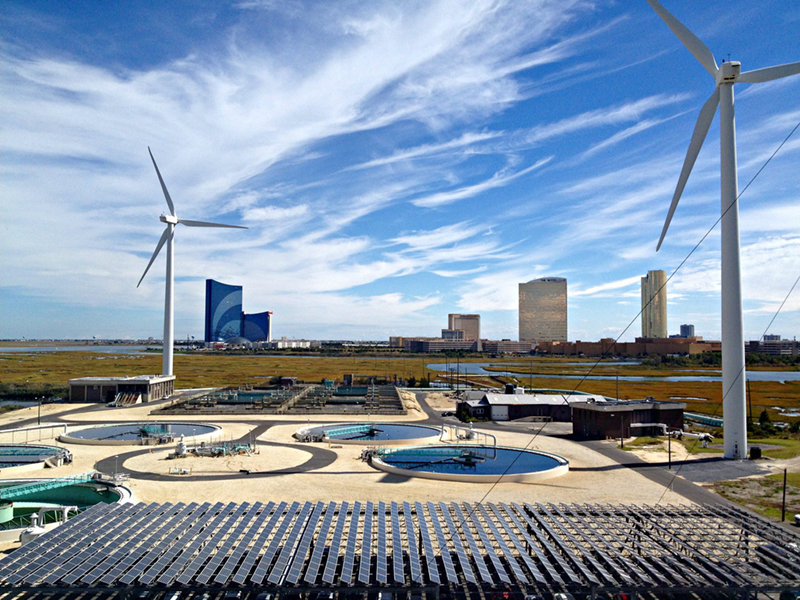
(783, 505)
(617, 385)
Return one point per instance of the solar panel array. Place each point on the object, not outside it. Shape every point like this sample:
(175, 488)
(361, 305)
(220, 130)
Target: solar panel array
(513, 545)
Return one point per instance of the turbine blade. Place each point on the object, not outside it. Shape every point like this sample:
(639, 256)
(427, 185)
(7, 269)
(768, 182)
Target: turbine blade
(698, 137)
(690, 40)
(769, 73)
(163, 186)
(160, 244)
(189, 223)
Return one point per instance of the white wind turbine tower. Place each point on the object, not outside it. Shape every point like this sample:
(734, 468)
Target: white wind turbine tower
(168, 236)
(733, 372)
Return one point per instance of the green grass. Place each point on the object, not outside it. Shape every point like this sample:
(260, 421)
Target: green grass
(792, 479)
(789, 447)
(695, 446)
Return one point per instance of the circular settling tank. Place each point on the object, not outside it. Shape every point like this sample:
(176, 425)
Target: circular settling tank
(28, 496)
(470, 463)
(152, 432)
(369, 433)
(20, 458)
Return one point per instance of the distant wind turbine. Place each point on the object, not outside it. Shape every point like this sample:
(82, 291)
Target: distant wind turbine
(168, 236)
(733, 366)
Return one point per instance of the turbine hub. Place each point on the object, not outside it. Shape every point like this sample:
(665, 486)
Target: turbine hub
(729, 72)
(169, 219)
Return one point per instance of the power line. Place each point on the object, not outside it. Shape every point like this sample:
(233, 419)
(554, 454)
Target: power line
(686, 258)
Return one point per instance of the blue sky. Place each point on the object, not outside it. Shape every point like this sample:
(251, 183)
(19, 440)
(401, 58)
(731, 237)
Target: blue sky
(394, 162)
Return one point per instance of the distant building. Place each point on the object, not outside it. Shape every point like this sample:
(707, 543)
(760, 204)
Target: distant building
(258, 327)
(687, 331)
(543, 310)
(453, 334)
(139, 388)
(508, 347)
(469, 324)
(598, 421)
(507, 407)
(654, 305)
(773, 346)
(641, 347)
(223, 311)
(225, 319)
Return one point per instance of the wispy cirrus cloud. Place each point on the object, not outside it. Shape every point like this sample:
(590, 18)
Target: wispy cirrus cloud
(499, 179)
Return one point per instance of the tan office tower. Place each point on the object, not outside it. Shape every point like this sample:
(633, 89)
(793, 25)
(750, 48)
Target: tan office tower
(654, 304)
(469, 324)
(543, 310)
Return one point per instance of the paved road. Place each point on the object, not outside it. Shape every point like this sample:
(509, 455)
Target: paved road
(320, 457)
(656, 472)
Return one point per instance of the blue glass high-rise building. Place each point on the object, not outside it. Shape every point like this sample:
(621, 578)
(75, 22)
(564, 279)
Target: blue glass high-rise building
(225, 318)
(224, 314)
(258, 327)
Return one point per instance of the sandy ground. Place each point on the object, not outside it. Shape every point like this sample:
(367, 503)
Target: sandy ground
(697, 471)
(592, 478)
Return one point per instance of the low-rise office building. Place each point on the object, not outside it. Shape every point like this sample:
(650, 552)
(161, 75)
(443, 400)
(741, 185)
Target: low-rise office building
(507, 407)
(641, 347)
(601, 420)
(107, 389)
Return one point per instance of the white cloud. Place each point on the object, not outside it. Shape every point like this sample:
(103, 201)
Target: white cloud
(275, 213)
(499, 179)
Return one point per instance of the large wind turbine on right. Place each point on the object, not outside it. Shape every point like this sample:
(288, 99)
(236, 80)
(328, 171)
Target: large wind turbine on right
(734, 406)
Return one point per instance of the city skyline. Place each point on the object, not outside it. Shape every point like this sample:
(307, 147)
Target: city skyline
(393, 163)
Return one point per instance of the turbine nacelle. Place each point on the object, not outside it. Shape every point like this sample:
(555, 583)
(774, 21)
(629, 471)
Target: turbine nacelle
(169, 219)
(729, 72)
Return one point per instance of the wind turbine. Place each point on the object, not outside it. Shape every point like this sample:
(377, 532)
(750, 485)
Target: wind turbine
(725, 76)
(168, 236)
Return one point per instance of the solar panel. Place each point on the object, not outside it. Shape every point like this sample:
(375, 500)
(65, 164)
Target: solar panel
(463, 559)
(305, 543)
(542, 524)
(316, 557)
(381, 571)
(252, 554)
(150, 554)
(266, 559)
(510, 559)
(532, 546)
(122, 532)
(288, 547)
(214, 535)
(366, 545)
(631, 561)
(333, 553)
(220, 555)
(185, 543)
(21, 556)
(487, 544)
(67, 532)
(148, 539)
(577, 545)
(427, 544)
(444, 551)
(350, 549)
(66, 562)
(397, 547)
(477, 555)
(85, 528)
(411, 537)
